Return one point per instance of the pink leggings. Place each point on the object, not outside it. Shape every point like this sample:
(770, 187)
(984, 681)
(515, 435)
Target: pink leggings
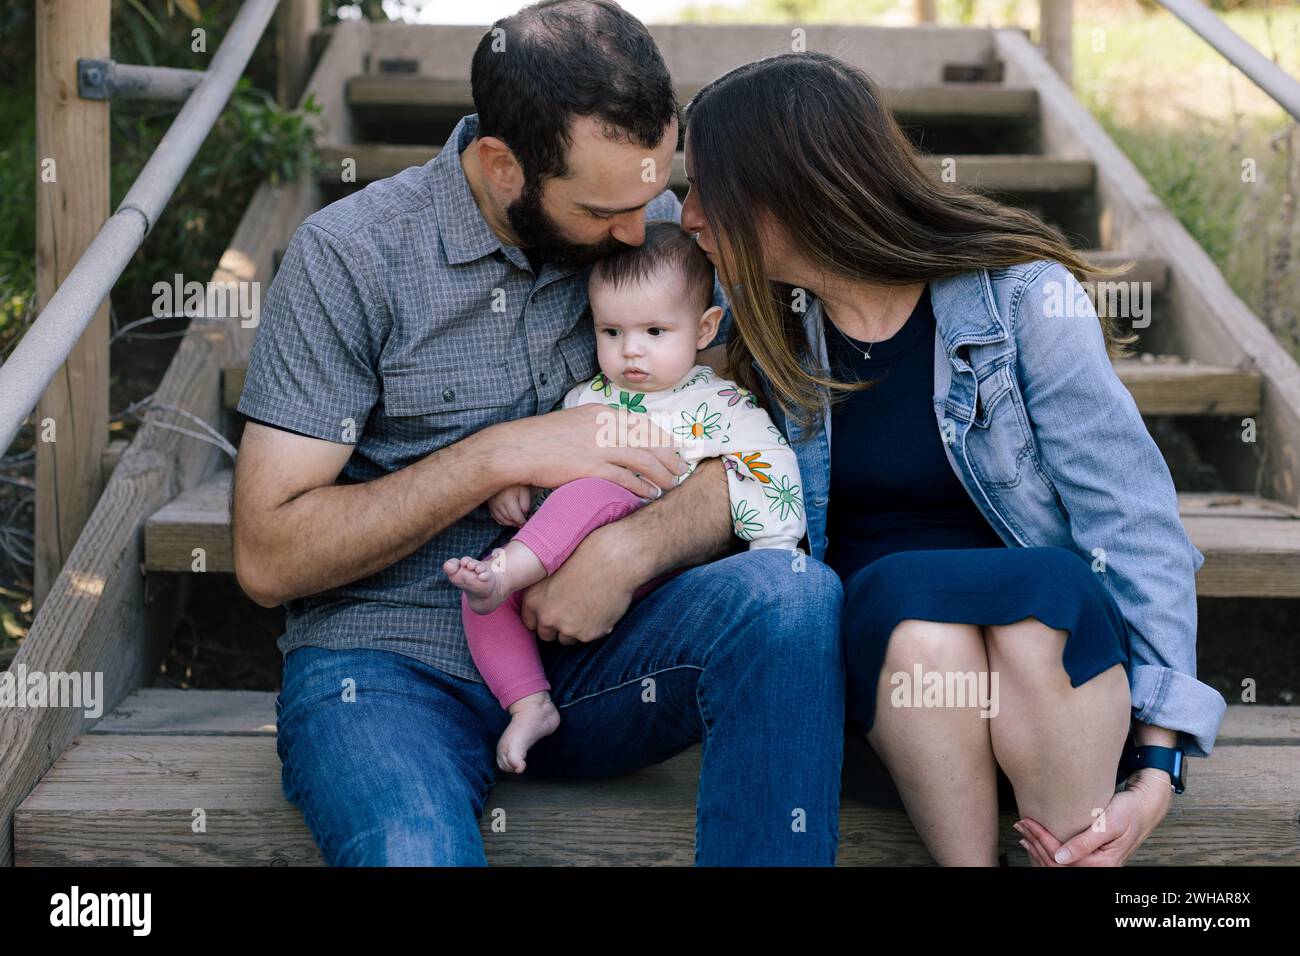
(504, 650)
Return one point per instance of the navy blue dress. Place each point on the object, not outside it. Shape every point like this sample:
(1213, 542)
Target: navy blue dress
(909, 543)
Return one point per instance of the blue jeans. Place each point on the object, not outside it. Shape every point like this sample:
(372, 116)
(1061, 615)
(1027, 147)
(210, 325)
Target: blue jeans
(744, 654)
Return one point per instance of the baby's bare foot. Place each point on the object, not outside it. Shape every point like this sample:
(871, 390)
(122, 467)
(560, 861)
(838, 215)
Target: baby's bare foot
(531, 719)
(485, 587)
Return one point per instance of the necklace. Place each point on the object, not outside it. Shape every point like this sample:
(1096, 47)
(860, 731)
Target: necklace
(851, 343)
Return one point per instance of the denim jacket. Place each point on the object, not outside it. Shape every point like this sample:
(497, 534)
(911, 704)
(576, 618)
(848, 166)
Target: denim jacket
(1051, 447)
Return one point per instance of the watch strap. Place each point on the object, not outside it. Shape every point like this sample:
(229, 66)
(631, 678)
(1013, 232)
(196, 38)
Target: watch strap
(1168, 759)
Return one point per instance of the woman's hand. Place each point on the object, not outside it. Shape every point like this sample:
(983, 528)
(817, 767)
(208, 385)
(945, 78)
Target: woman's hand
(1130, 818)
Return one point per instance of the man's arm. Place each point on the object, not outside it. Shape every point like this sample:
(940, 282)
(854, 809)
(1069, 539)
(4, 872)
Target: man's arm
(690, 525)
(297, 533)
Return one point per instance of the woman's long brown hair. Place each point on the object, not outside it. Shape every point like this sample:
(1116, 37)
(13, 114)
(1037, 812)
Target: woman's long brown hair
(803, 141)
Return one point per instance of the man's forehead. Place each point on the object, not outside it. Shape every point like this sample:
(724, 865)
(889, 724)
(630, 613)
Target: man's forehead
(607, 172)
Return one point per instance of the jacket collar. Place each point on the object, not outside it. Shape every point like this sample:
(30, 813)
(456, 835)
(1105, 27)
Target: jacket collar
(964, 312)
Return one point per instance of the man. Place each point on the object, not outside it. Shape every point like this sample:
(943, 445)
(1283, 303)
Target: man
(411, 347)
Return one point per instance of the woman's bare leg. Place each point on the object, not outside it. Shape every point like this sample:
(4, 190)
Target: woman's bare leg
(1059, 745)
(941, 758)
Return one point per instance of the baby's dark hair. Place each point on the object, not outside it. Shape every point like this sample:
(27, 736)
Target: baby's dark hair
(665, 246)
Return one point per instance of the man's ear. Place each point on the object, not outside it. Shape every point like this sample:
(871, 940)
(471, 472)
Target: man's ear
(708, 327)
(500, 168)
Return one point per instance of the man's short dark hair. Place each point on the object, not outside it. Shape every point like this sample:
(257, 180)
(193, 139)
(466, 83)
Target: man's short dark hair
(665, 247)
(560, 59)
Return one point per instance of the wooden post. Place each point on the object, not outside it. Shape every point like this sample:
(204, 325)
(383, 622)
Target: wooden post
(299, 19)
(925, 11)
(72, 181)
(1055, 29)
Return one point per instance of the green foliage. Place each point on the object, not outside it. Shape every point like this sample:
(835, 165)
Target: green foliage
(1181, 168)
(17, 212)
(253, 141)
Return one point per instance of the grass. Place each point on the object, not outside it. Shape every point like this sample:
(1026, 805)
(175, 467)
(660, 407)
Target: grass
(1215, 149)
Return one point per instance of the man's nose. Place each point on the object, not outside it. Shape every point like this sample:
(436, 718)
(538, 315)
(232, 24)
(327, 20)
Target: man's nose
(629, 229)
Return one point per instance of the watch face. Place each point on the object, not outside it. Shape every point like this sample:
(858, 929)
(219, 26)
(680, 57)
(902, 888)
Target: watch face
(1180, 771)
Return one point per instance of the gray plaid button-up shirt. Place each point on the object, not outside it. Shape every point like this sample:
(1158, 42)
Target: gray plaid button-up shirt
(398, 322)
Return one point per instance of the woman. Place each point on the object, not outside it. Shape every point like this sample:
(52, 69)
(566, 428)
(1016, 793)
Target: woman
(999, 514)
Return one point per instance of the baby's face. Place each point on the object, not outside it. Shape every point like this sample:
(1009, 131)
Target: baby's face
(647, 332)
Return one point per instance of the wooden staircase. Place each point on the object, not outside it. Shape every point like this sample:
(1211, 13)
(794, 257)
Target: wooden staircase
(127, 794)
(126, 789)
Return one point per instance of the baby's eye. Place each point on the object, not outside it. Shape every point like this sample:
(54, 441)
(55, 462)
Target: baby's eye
(655, 330)
(612, 333)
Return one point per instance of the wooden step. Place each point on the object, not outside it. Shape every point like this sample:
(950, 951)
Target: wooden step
(412, 97)
(1145, 268)
(126, 795)
(171, 712)
(1158, 387)
(195, 520)
(368, 162)
(1251, 545)
(1185, 388)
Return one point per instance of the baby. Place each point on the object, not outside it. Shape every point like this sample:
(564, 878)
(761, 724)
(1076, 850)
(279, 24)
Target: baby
(652, 307)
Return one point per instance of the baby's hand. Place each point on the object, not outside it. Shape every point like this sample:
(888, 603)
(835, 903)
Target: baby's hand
(509, 506)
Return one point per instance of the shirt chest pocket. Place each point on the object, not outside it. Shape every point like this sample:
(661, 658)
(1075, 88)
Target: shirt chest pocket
(999, 444)
(578, 349)
(429, 408)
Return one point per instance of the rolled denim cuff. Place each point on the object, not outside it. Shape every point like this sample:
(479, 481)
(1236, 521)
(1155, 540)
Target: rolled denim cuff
(1164, 697)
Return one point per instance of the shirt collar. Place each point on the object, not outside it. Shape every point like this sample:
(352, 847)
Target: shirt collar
(466, 236)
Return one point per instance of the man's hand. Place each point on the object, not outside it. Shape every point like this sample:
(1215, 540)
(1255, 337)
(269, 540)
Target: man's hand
(565, 607)
(593, 441)
(591, 591)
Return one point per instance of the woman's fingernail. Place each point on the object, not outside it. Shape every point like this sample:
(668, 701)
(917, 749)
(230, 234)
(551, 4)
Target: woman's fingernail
(1062, 855)
(1017, 828)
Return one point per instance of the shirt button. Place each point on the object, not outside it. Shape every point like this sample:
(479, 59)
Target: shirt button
(448, 394)
(542, 378)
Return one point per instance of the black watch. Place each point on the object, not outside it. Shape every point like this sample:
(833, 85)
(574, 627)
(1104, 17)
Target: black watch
(1169, 759)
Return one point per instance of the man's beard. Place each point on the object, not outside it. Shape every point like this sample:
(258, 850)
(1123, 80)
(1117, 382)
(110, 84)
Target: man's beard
(541, 238)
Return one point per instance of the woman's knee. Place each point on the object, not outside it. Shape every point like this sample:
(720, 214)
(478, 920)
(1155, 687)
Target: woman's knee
(936, 646)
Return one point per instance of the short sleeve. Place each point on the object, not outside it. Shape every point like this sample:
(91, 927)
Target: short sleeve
(312, 369)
